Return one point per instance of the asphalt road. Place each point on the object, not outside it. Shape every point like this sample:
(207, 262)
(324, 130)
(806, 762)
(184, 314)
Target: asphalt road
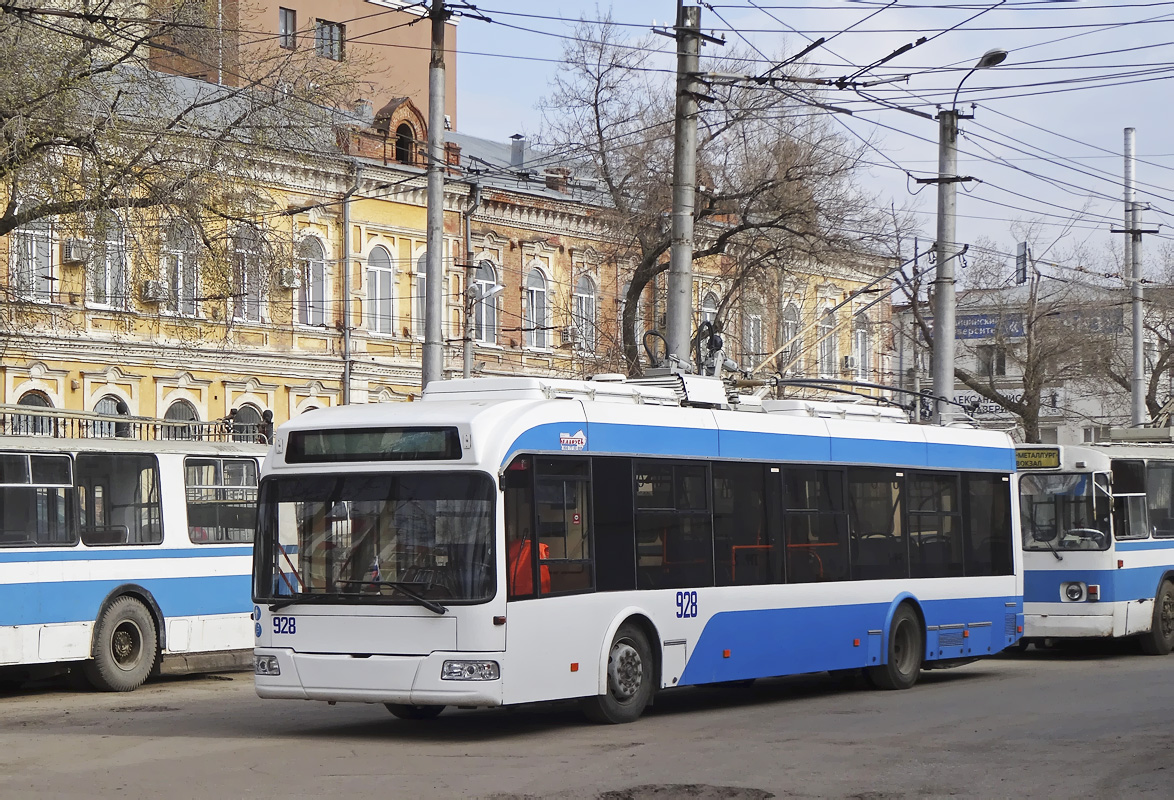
(1047, 724)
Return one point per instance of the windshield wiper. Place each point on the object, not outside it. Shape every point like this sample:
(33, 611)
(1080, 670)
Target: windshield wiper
(277, 605)
(401, 586)
(1052, 547)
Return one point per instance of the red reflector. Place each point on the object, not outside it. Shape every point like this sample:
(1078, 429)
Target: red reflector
(1019, 629)
(855, 642)
(725, 653)
(1094, 592)
(499, 620)
(965, 634)
(1120, 563)
(574, 666)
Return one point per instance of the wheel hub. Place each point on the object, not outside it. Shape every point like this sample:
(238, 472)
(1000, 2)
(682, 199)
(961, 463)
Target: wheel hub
(126, 645)
(625, 671)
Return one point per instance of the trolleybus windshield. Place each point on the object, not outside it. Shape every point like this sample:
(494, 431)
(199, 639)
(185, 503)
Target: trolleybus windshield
(377, 537)
(1065, 511)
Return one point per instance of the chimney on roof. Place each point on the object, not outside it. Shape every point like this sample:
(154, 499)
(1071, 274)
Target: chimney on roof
(364, 111)
(517, 150)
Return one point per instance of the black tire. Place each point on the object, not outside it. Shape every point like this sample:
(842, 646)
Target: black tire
(125, 647)
(407, 711)
(630, 672)
(904, 655)
(1160, 640)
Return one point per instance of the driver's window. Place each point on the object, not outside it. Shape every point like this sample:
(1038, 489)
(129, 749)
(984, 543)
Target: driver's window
(1129, 517)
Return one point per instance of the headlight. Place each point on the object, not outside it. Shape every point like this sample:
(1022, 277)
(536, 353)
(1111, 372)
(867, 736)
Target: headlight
(266, 665)
(470, 671)
(1074, 592)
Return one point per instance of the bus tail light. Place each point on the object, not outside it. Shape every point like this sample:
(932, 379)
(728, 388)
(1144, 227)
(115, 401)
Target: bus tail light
(470, 671)
(1094, 591)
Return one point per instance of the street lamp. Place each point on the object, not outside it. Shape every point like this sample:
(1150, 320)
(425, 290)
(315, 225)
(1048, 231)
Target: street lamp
(946, 247)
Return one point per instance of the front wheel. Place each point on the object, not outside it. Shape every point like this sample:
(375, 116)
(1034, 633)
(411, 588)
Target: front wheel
(1160, 640)
(407, 711)
(905, 653)
(125, 647)
(629, 679)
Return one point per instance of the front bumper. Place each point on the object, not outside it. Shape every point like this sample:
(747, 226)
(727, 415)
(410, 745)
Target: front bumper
(413, 680)
(1041, 626)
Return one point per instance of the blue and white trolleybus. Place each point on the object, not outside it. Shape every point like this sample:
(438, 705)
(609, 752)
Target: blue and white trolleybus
(516, 540)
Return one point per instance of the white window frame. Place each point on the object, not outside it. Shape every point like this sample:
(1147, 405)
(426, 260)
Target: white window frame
(862, 348)
(420, 295)
(330, 39)
(485, 302)
(792, 324)
(828, 347)
(752, 348)
(585, 306)
(108, 268)
(34, 272)
(181, 270)
(536, 322)
(287, 28)
(248, 298)
(380, 292)
(310, 295)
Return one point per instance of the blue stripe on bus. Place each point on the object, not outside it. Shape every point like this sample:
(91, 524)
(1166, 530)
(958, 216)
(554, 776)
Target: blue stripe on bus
(786, 641)
(144, 552)
(1146, 544)
(1117, 585)
(712, 443)
(79, 601)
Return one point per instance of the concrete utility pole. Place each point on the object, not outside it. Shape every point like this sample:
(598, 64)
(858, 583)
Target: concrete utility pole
(946, 251)
(433, 364)
(680, 295)
(1133, 270)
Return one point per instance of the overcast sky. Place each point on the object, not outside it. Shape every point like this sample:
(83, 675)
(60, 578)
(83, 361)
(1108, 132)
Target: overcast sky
(1047, 137)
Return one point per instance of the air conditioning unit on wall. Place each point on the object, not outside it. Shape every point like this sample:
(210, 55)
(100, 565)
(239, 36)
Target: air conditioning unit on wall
(153, 292)
(74, 251)
(288, 278)
(849, 363)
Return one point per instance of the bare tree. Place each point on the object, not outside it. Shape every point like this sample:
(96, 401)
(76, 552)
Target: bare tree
(123, 117)
(774, 179)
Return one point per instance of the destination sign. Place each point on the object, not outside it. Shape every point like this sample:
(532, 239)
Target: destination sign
(1037, 458)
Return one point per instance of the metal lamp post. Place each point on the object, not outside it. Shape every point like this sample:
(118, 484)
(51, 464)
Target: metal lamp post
(946, 248)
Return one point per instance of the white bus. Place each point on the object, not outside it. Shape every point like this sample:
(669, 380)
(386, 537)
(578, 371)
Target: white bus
(516, 540)
(1098, 541)
(124, 545)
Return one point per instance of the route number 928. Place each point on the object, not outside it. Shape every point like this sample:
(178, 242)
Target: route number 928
(686, 605)
(285, 625)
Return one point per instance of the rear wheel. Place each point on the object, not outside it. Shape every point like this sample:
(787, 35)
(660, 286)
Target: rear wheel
(125, 647)
(905, 653)
(1160, 640)
(629, 679)
(408, 711)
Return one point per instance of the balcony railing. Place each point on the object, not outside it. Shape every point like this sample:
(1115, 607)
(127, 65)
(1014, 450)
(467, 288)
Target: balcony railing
(58, 423)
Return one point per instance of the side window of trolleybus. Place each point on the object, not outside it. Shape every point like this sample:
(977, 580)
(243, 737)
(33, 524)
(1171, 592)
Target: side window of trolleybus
(221, 499)
(674, 536)
(548, 526)
(118, 499)
(1160, 498)
(36, 494)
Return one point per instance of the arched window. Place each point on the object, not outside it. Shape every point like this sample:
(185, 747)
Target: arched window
(862, 348)
(380, 282)
(535, 319)
(827, 345)
(583, 314)
(709, 304)
(246, 423)
(33, 425)
(180, 269)
(107, 267)
(34, 268)
(485, 310)
(420, 295)
(790, 341)
(405, 144)
(180, 411)
(311, 294)
(111, 406)
(246, 274)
